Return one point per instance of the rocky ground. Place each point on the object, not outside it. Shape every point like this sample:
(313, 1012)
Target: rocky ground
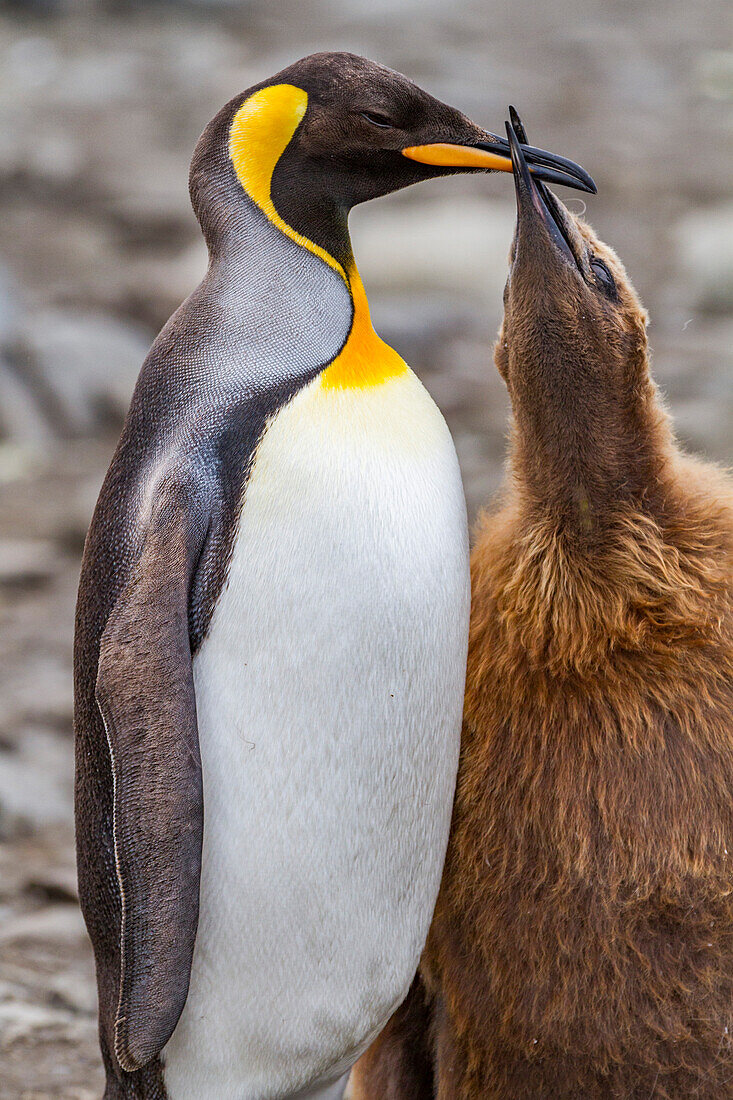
(100, 106)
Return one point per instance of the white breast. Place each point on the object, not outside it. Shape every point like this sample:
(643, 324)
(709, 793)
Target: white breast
(329, 694)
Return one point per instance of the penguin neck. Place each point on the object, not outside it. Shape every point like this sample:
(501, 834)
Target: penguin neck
(584, 457)
(240, 256)
(365, 360)
(316, 221)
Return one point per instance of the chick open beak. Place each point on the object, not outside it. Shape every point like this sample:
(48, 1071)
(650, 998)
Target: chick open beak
(494, 154)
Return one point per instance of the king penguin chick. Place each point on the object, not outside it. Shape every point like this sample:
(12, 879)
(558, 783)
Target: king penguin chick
(582, 947)
(272, 621)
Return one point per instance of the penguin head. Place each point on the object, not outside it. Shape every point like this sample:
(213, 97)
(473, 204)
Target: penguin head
(333, 130)
(572, 350)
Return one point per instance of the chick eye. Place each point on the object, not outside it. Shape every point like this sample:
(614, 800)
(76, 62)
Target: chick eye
(603, 276)
(377, 120)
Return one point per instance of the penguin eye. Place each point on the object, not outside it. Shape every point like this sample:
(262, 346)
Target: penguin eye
(603, 277)
(377, 120)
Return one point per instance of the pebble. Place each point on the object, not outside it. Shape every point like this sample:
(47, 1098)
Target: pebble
(84, 365)
(60, 923)
(705, 242)
(26, 561)
(55, 884)
(36, 784)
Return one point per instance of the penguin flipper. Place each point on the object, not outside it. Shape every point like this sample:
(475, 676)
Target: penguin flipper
(145, 693)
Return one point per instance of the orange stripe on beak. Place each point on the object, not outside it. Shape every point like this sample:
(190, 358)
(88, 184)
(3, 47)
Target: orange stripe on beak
(457, 156)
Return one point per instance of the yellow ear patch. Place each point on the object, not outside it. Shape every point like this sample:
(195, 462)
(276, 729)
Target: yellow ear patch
(259, 134)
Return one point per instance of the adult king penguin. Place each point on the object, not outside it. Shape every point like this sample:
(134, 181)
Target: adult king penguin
(272, 620)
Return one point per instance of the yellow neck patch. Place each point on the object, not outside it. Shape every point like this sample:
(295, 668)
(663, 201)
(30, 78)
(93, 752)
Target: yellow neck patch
(260, 132)
(365, 359)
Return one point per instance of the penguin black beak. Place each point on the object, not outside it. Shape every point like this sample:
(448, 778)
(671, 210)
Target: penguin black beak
(535, 204)
(494, 153)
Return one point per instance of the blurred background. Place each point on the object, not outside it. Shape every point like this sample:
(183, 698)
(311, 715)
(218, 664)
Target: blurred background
(100, 107)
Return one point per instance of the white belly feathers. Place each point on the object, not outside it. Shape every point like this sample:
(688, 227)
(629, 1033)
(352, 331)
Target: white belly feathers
(329, 694)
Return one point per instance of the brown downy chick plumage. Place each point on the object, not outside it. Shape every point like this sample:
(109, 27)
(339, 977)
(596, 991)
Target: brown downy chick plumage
(582, 945)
